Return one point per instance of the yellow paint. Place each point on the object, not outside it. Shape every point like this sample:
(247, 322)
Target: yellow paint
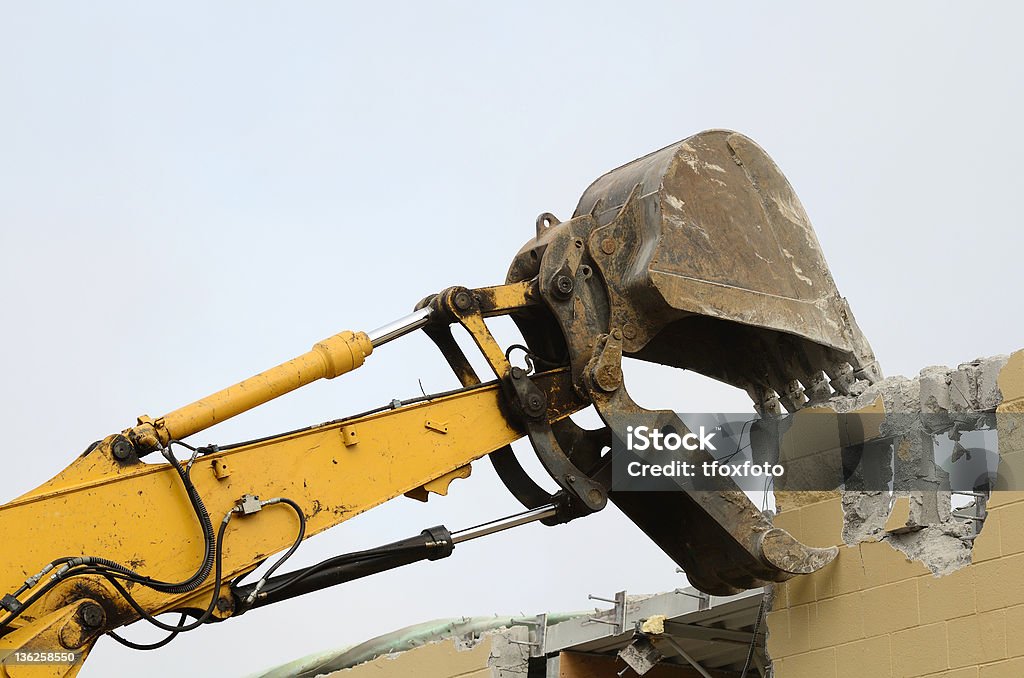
(328, 359)
(439, 485)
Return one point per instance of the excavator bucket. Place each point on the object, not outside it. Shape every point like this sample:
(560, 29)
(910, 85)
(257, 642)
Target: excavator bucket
(730, 280)
(698, 256)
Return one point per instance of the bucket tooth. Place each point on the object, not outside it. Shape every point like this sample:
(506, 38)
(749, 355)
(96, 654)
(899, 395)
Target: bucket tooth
(780, 550)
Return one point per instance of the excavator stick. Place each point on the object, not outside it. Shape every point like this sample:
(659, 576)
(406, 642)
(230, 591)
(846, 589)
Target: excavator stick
(698, 256)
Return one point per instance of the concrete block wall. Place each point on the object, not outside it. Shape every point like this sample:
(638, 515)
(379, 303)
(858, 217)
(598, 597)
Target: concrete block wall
(873, 613)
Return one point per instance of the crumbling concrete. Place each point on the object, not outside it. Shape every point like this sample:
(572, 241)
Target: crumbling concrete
(931, 534)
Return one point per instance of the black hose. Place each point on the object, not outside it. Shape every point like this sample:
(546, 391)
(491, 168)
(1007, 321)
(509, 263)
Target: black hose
(179, 628)
(295, 545)
(753, 641)
(148, 646)
(196, 580)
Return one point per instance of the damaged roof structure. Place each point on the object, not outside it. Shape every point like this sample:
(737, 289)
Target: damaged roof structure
(695, 635)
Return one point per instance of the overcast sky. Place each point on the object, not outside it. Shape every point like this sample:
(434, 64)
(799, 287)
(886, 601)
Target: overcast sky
(191, 192)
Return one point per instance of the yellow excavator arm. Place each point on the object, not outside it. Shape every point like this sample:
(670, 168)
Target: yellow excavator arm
(149, 544)
(663, 261)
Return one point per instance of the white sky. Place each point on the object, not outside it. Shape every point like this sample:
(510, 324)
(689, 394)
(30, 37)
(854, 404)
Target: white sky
(192, 192)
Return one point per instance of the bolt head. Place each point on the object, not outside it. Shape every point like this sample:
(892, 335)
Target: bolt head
(608, 246)
(121, 448)
(564, 284)
(91, 615)
(463, 301)
(608, 377)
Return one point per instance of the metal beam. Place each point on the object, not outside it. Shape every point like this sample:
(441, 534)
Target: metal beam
(698, 632)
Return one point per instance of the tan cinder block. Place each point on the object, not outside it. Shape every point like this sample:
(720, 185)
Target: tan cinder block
(1015, 631)
(1001, 498)
(1000, 582)
(871, 657)
(883, 564)
(1011, 528)
(987, 544)
(892, 607)
(789, 631)
(801, 590)
(822, 523)
(919, 651)
(946, 597)
(777, 623)
(433, 660)
(978, 639)
(1010, 481)
(817, 664)
(837, 620)
(780, 597)
(1013, 668)
(792, 500)
(845, 574)
(1011, 378)
(792, 521)
(899, 516)
(967, 672)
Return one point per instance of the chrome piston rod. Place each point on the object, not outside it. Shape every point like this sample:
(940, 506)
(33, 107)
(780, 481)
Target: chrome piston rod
(506, 523)
(400, 327)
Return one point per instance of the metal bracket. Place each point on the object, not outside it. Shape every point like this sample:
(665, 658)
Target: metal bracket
(703, 599)
(249, 504)
(538, 630)
(589, 495)
(618, 612)
(438, 426)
